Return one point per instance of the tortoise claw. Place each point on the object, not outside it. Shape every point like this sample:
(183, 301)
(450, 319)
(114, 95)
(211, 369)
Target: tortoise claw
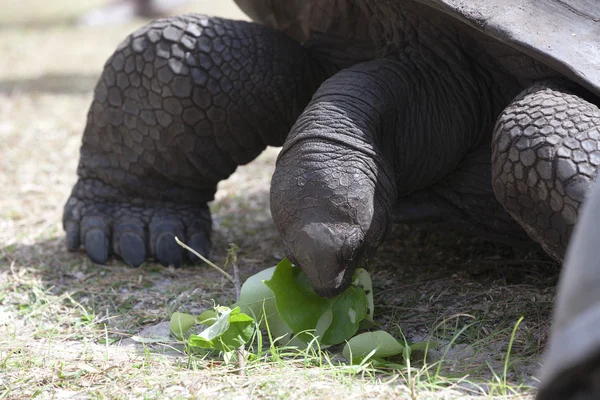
(96, 245)
(201, 243)
(132, 249)
(162, 238)
(72, 237)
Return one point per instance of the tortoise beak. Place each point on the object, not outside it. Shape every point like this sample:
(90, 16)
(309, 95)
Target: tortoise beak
(327, 255)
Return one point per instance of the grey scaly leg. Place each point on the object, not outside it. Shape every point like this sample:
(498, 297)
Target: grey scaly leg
(180, 104)
(546, 151)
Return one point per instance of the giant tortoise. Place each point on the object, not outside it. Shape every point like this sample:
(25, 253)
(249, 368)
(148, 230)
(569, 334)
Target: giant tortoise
(482, 112)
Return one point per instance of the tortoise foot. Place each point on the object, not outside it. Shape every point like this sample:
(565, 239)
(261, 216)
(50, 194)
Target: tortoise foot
(106, 222)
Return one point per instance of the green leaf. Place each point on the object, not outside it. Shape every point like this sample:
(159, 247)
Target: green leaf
(366, 324)
(231, 330)
(180, 324)
(241, 328)
(206, 338)
(297, 303)
(324, 323)
(349, 308)
(257, 300)
(333, 320)
(362, 279)
(377, 344)
(282, 298)
(207, 318)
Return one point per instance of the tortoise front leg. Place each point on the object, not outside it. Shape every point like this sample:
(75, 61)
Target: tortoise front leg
(180, 104)
(546, 151)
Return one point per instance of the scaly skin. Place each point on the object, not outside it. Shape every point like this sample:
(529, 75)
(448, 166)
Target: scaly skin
(337, 181)
(546, 152)
(181, 103)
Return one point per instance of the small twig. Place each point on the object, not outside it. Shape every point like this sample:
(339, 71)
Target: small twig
(206, 260)
(232, 259)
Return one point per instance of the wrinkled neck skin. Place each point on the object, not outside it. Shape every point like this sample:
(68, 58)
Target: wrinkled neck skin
(333, 188)
(410, 27)
(375, 132)
(335, 31)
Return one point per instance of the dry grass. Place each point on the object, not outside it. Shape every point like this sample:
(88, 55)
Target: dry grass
(65, 322)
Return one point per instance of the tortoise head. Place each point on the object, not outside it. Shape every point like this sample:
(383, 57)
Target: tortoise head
(330, 215)
(328, 253)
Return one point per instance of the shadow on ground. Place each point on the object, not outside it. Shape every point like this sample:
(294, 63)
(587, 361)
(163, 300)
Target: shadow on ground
(422, 274)
(429, 281)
